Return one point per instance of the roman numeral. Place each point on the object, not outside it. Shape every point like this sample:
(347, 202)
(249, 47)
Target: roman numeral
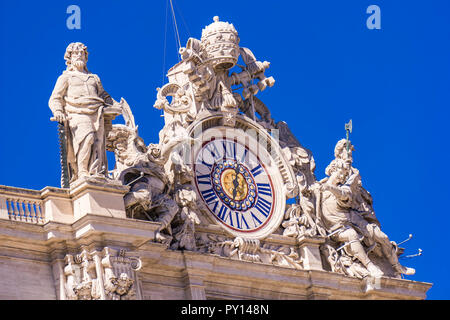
(264, 188)
(229, 149)
(240, 220)
(209, 195)
(224, 214)
(263, 206)
(212, 148)
(215, 206)
(257, 170)
(256, 221)
(206, 164)
(204, 179)
(244, 155)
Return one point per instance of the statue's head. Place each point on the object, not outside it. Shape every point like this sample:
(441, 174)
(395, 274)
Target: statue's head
(339, 169)
(76, 56)
(340, 151)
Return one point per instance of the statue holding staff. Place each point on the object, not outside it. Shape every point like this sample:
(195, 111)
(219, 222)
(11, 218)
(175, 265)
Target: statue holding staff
(80, 103)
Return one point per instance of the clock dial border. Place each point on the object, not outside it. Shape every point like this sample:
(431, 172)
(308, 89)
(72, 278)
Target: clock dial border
(273, 219)
(257, 193)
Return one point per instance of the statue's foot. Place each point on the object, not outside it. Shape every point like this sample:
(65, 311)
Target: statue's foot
(159, 237)
(164, 239)
(374, 270)
(83, 174)
(404, 270)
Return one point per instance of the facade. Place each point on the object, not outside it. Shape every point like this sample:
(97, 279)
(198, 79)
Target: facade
(225, 206)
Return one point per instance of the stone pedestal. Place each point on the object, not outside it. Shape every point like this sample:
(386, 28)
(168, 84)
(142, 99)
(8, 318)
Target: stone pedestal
(309, 249)
(98, 196)
(57, 205)
(86, 196)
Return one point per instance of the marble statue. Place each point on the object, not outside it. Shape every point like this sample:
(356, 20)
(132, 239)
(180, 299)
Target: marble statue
(80, 102)
(347, 213)
(158, 179)
(339, 209)
(140, 167)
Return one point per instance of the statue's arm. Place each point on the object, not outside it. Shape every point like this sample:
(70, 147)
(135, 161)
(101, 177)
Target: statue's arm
(56, 101)
(343, 193)
(102, 93)
(237, 78)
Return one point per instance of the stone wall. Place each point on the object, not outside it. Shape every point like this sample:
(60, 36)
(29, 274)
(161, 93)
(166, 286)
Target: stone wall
(25, 279)
(96, 256)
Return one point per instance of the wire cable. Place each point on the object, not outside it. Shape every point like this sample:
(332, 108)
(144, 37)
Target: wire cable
(176, 30)
(165, 44)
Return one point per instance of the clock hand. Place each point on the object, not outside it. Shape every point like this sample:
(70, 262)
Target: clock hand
(236, 181)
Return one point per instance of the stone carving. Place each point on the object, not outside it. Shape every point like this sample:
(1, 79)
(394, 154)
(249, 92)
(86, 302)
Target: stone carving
(347, 213)
(159, 180)
(252, 107)
(201, 81)
(301, 218)
(86, 109)
(184, 234)
(140, 167)
(340, 209)
(106, 275)
(340, 262)
(119, 284)
(251, 250)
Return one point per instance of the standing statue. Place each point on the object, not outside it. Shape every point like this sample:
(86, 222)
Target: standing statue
(84, 107)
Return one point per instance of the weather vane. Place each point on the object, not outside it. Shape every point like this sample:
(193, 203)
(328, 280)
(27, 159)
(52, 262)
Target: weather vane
(348, 129)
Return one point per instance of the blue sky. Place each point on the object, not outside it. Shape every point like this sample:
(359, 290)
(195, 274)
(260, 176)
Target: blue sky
(328, 66)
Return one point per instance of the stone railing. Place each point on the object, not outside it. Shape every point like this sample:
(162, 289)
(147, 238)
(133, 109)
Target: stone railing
(25, 210)
(63, 205)
(21, 205)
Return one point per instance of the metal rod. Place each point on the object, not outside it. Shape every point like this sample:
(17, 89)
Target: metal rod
(419, 253)
(141, 175)
(409, 238)
(334, 232)
(347, 243)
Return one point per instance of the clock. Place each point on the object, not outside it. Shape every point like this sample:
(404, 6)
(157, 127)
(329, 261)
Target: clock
(239, 182)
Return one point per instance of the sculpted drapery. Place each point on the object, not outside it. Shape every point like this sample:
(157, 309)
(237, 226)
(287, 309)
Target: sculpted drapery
(78, 100)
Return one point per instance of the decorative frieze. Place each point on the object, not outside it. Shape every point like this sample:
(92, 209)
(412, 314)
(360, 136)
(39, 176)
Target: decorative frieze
(106, 275)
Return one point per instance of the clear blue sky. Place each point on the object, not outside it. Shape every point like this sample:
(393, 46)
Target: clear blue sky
(329, 68)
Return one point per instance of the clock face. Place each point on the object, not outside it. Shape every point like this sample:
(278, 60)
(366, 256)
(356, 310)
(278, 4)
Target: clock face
(237, 187)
